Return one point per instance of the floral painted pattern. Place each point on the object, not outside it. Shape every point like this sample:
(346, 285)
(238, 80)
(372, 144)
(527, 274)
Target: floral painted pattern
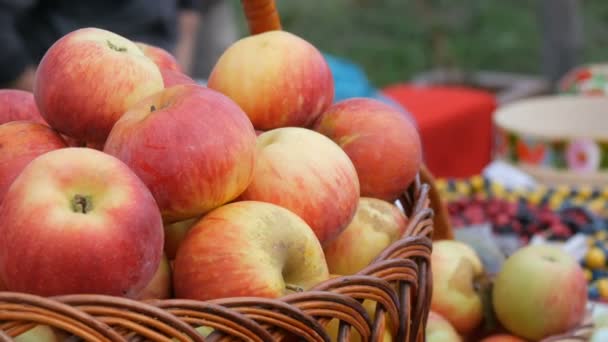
(579, 155)
(590, 80)
(583, 155)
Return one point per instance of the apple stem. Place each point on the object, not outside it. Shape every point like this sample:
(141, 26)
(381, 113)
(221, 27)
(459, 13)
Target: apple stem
(294, 288)
(152, 108)
(82, 204)
(115, 47)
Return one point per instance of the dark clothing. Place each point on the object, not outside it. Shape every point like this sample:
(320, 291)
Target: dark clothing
(29, 27)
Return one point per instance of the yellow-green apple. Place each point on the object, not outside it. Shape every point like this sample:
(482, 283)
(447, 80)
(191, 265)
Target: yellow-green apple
(20, 143)
(248, 248)
(173, 77)
(278, 78)
(310, 175)
(376, 225)
(439, 329)
(540, 291)
(175, 234)
(373, 133)
(456, 266)
(502, 338)
(88, 78)
(77, 220)
(39, 333)
(161, 57)
(160, 285)
(193, 147)
(17, 105)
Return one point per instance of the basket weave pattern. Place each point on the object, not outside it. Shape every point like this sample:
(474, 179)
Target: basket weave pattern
(399, 281)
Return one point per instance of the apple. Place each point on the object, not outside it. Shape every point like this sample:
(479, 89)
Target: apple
(172, 77)
(193, 147)
(161, 57)
(376, 225)
(455, 268)
(248, 248)
(17, 105)
(39, 333)
(374, 134)
(503, 338)
(333, 327)
(278, 78)
(175, 234)
(439, 329)
(20, 143)
(160, 285)
(309, 174)
(540, 291)
(77, 220)
(88, 78)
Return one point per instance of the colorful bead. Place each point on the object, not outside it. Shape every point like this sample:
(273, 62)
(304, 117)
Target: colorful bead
(588, 275)
(602, 286)
(595, 258)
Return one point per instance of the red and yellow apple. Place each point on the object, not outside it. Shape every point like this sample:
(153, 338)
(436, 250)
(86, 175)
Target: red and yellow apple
(88, 78)
(382, 143)
(175, 234)
(248, 248)
(173, 77)
(309, 174)
(439, 329)
(376, 225)
(161, 57)
(278, 78)
(77, 220)
(540, 291)
(20, 143)
(160, 285)
(455, 268)
(193, 147)
(17, 105)
(502, 338)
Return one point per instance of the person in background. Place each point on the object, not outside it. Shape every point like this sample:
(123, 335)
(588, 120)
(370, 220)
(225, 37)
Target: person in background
(29, 27)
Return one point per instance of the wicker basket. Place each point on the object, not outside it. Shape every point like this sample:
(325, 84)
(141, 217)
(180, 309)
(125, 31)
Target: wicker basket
(399, 281)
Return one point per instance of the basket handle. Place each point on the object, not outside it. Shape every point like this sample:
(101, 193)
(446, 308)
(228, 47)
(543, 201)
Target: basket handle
(442, 229)
(262, 15)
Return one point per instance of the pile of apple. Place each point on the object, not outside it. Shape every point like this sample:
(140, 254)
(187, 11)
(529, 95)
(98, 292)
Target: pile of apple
(540, 291)
(120, 175)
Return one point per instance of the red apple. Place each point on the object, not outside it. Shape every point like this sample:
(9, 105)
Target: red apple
(455, 269)
(17, 105)
(382, 143)
(88, 78)
(193, 147)
(160, 285)
(161, 57)
(439, 329)
(173, 77)
(77, 220)
(20, 143)
(248, 248)
(503, 338)
(376, 225)
(278, 78)
(175, 234)
(309, 174)
(540, 291)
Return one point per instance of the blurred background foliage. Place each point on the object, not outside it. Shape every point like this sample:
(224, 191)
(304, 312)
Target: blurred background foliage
(396, 39)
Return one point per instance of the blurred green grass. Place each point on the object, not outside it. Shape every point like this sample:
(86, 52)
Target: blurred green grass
(390, 39)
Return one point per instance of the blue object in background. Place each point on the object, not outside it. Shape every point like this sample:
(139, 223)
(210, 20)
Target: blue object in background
(351, 81)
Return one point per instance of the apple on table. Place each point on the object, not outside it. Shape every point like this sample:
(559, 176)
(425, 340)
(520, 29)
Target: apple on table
(97, 227)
